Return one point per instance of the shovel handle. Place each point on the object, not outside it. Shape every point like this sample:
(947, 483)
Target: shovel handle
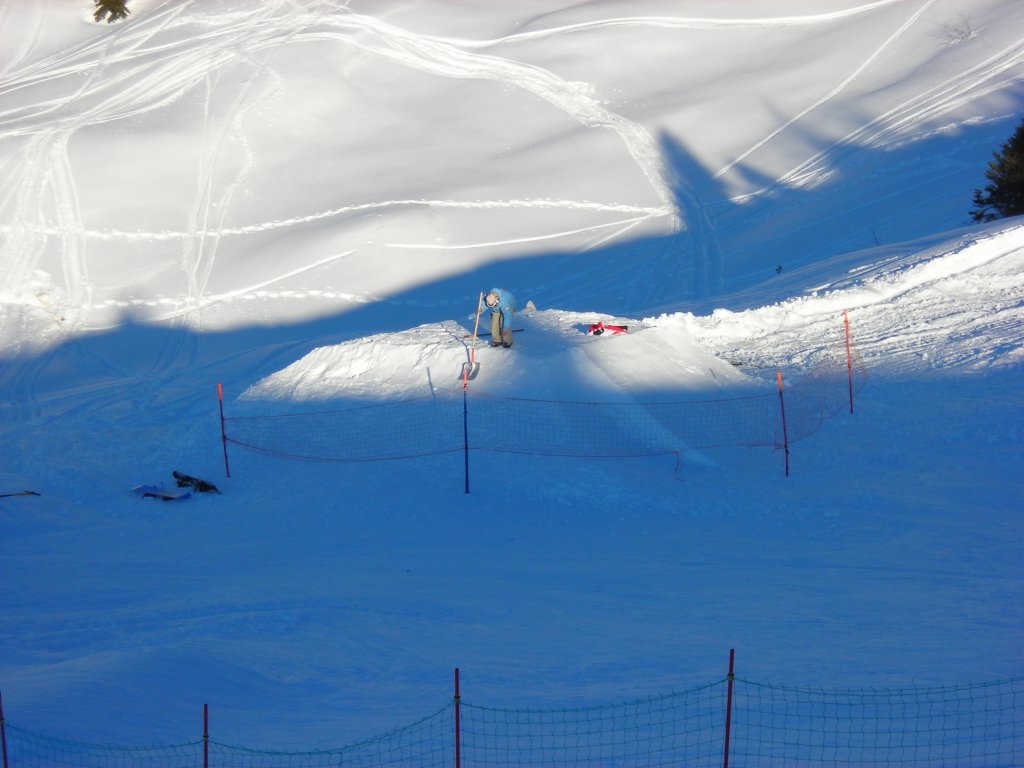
(476, 326)
(469, 369)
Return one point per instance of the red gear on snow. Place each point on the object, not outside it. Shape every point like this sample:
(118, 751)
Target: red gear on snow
(599, 328)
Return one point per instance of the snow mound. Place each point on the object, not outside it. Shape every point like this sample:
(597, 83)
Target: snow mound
(390, 365)
(555, 359)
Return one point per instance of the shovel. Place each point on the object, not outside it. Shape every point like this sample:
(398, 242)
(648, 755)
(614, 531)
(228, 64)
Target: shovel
(472, 368)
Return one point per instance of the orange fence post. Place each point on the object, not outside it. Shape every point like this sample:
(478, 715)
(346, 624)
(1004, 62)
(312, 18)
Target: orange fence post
(785, 432)
(849, 356)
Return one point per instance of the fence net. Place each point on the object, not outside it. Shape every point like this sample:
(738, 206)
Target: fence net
(967, 725)
(978, 725)
(428, 743)
(402, 429)
(26, 748)
(452, 421)
(680, 729)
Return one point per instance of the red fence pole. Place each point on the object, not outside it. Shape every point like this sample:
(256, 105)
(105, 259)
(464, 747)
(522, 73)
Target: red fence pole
(206, 736)
(3, 731)
(223, 434)
(458, 725)
(849, 356)
(728, 707)
(465, 438)
(785, 431)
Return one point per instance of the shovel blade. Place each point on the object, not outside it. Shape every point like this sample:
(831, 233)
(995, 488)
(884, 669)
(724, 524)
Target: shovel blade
(469, 371)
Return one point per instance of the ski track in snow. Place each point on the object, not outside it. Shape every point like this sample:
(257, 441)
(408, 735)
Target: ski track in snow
(28, 18)
(152, 73)
(685, 23)
(900, 123)
(966, 304)
(154, 66)
(828, 97)
(163, 72)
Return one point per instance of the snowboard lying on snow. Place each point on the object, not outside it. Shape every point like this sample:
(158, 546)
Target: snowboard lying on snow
(187, 481)
(186, 484)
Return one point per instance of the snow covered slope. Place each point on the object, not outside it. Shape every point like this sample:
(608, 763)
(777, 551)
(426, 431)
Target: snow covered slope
(302, 201)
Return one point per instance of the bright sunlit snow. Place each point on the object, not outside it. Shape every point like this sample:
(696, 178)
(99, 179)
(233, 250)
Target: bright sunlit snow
(303, 200)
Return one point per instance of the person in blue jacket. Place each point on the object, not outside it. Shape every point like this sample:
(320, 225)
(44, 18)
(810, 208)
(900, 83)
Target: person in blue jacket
(502, 304)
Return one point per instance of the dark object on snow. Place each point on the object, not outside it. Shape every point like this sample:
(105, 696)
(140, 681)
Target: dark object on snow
(187, 481)
(19, 493)
(111, 10)
(599, 328)
(156, 492)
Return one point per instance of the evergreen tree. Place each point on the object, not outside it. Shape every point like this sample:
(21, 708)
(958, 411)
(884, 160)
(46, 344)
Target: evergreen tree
(1004, 194)
(111, 10)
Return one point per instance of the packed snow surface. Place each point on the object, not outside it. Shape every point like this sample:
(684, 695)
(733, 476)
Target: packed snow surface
(302, 201)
